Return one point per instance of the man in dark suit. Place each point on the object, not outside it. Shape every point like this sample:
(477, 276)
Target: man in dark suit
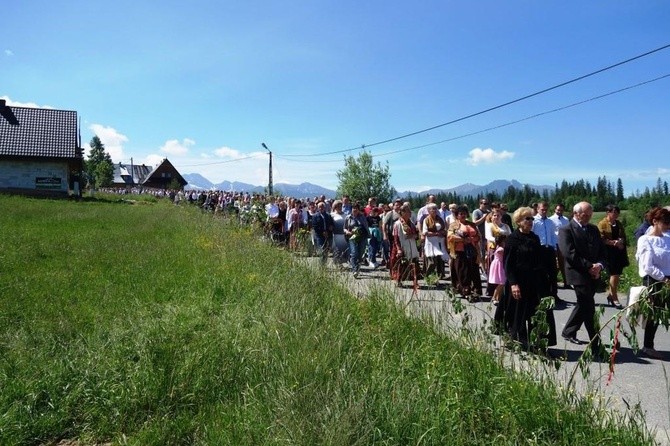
(584, 255)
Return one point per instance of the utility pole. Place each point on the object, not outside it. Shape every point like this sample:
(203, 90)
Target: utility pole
(270, 170)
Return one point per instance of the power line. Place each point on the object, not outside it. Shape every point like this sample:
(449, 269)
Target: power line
(214, 162)
(223, 162)
(472, 115)
(537, 115)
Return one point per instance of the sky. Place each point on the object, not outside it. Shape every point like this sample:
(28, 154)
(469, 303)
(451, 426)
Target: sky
(205, 83)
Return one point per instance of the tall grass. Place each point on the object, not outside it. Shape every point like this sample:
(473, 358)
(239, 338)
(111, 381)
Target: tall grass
(148, 323)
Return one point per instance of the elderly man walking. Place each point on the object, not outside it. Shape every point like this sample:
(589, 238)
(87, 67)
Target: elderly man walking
(584, 254)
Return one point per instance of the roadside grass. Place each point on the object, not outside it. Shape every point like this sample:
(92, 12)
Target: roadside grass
(148, 323)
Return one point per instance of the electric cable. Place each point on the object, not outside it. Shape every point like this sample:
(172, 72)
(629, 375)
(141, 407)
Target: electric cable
(223, 162)
(472, 115)
(536, 115)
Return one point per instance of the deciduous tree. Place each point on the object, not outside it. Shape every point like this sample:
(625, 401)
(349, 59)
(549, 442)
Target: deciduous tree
(361, 179)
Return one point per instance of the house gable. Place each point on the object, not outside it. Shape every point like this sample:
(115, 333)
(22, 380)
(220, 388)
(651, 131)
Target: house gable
(39, 150)
(162, 176)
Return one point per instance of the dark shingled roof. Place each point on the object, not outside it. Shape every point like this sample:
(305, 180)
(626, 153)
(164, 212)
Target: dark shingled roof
(123, 174)
(41, 132)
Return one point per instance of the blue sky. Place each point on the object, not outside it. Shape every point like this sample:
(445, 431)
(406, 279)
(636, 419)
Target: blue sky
(204, 83)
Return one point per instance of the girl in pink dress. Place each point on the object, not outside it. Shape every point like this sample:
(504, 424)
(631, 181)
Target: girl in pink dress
(496, 269)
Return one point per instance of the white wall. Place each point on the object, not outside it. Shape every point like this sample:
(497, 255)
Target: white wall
(23, 174)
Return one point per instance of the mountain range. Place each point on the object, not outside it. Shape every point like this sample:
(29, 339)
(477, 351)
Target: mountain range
(198, 182)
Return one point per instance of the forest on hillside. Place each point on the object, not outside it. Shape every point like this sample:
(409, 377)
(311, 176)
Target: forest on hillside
(601, 194)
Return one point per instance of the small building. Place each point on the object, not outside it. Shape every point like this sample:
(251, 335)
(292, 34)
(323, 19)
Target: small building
(40, 152)
(163, 176)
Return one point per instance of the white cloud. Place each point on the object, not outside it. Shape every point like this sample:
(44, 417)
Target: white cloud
(112, 139)
(655, 173)
(227, 152)
(23, 104)
(174, 147)
(9, 53)
(153, 160)
(487, 156)
(233, 154)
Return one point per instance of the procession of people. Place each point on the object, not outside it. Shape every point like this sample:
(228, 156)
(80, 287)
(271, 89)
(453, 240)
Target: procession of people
(516, 260)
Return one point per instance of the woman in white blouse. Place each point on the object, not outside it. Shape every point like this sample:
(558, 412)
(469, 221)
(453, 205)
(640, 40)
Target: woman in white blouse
(653, 257)
(434, 247)
(494, 227)
(405, 235)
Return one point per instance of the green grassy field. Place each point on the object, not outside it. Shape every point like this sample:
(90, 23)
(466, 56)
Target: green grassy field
(147, 323)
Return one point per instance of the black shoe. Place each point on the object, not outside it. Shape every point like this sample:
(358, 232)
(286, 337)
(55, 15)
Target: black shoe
(614, 302)
(652, 353)
(573, 340)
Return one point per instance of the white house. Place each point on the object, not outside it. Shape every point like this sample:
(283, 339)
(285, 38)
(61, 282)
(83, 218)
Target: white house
(39, 151)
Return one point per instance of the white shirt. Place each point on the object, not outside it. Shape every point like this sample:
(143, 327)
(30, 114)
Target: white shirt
(502, 228)
(653, 256)
(444, 213)
(559, 220)
(650, 229)
(451, 219)
(434, 245)
(272, 210)
(546, 230)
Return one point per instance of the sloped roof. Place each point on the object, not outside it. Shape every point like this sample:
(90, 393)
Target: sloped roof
(156, 179)
(41, 132)
(122, 173)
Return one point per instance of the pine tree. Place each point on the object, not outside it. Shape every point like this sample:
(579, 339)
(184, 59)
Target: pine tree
(98, 168)
(619, 191)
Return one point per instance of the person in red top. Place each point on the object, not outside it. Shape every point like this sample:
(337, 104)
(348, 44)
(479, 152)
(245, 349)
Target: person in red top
(372, 203)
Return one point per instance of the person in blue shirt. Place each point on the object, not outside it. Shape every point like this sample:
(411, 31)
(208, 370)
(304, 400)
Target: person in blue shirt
(545, 229)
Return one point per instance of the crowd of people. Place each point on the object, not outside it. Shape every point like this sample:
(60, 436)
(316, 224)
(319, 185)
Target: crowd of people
(516, 259)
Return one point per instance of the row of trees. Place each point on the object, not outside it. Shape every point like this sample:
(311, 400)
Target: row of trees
(361, 178)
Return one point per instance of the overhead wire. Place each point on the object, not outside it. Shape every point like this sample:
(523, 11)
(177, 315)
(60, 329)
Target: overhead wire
(225, 161)
(472, 115)
(213, 162)
(536, 115)
(288, 157)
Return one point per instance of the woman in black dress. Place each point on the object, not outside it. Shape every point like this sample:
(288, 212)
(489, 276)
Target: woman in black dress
(614, 237)
(526, 283)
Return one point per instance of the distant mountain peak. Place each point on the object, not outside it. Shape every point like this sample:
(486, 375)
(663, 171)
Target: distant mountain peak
(310, 190)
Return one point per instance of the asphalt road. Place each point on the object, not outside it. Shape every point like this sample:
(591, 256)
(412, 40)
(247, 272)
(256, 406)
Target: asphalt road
(637, 379)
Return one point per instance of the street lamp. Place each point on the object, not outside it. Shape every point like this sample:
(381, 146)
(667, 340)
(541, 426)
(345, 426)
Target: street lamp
(269, 170)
